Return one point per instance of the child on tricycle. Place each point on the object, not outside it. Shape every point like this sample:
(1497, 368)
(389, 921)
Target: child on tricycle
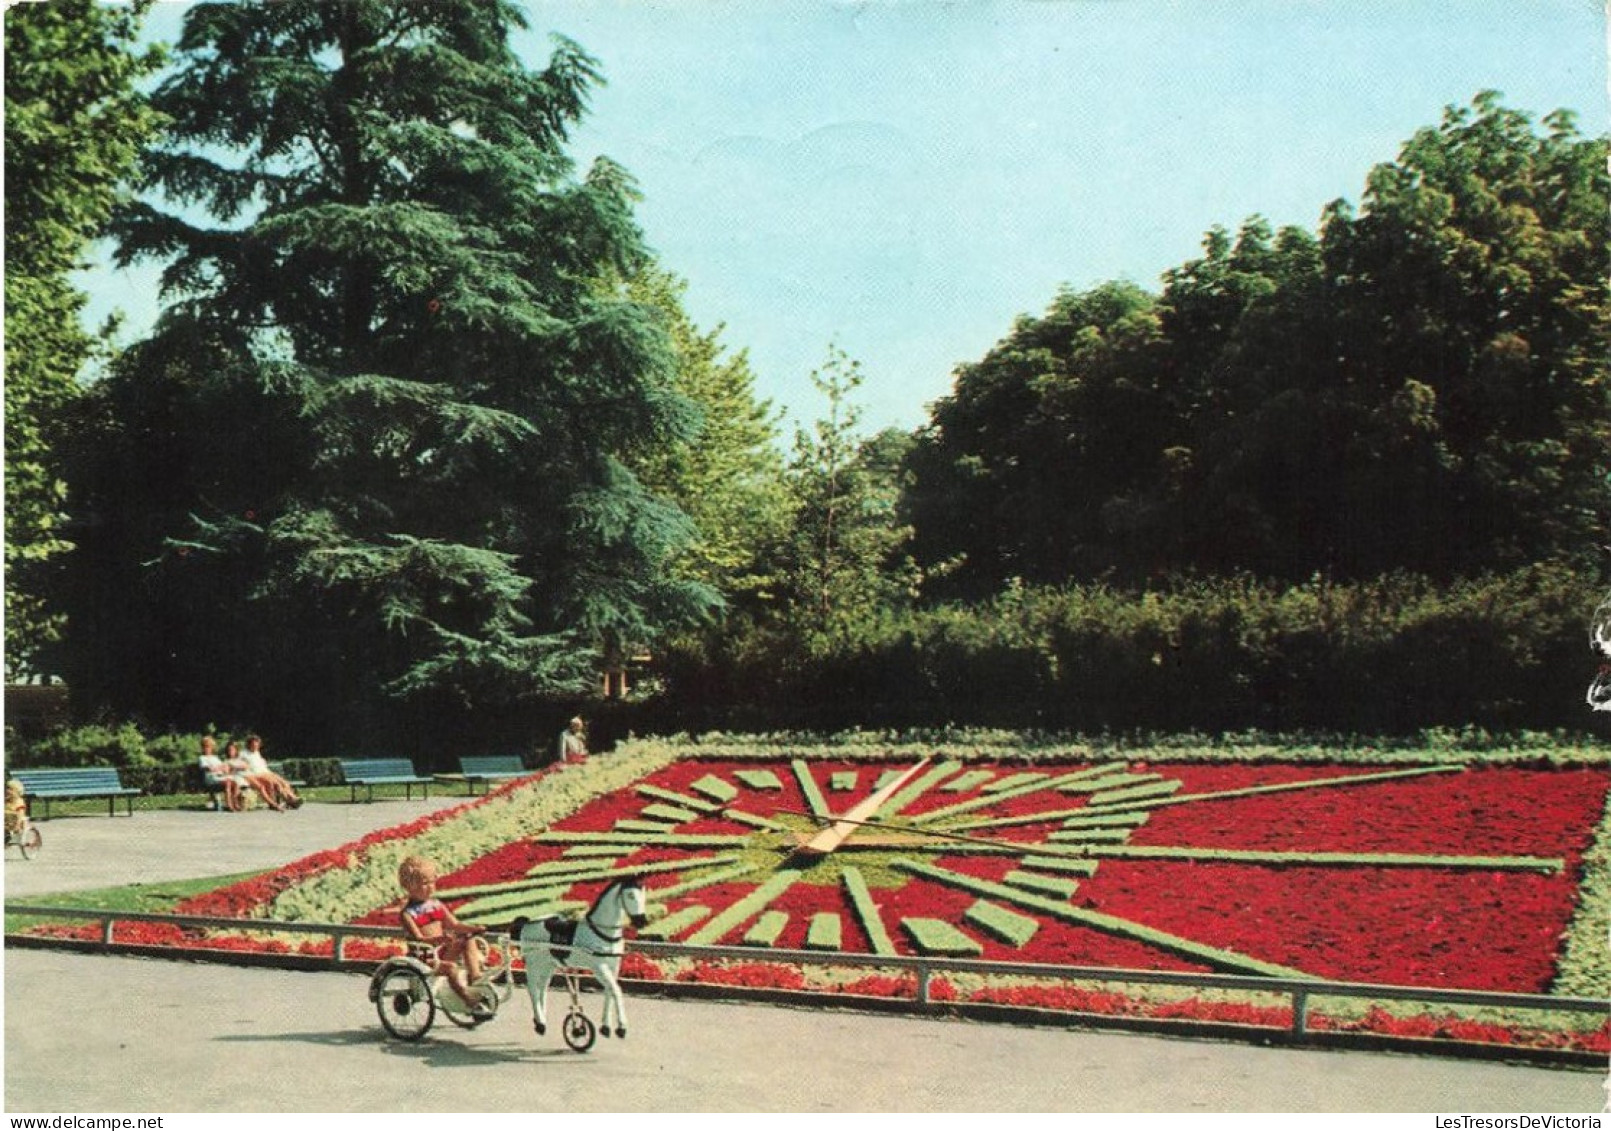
(455, 951)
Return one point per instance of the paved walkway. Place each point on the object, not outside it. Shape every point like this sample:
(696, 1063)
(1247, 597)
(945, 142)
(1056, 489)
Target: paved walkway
(83, 853)
(161, 1035)
(156, 1032)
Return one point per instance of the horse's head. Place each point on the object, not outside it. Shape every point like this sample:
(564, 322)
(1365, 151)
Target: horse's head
(635, 901)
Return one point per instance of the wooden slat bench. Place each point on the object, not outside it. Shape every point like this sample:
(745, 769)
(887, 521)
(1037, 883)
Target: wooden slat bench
(485, 770)
(370, 772)
(78, 782)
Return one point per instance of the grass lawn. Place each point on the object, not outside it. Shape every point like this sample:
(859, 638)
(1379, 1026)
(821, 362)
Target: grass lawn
(129, 897)
(166, 895)
(334, 794)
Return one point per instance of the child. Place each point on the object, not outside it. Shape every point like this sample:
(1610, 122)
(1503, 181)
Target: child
(16, 809)
(428, 921)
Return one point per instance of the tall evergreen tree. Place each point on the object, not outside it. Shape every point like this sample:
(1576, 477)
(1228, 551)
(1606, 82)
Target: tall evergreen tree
(74, 126)
(400, 399)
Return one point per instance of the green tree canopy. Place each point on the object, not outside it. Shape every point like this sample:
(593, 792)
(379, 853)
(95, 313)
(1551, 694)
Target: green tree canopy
(374, 464)
(1421, 387)
(841, 563)
(729, 478)
(1015, 471)
(74, 126)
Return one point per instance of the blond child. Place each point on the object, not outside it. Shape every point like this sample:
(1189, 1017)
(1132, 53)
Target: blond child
(426, 920)
(16, 808)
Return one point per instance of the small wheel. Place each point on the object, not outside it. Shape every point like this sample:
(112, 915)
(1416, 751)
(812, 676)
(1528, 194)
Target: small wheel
(31, 841)
(579, 1031)
(403, 1000)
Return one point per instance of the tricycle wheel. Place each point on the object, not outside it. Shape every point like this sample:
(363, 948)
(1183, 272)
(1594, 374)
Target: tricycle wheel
(461, 1014)
(579, 1031)
(30, 842)
(403, 1000)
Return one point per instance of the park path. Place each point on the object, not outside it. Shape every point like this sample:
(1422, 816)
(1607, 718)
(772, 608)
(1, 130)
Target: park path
(161, 1037)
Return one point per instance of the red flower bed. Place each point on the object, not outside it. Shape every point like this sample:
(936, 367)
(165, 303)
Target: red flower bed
(755, 975)
(1488, 811)
(1431, 925)
(247, 898)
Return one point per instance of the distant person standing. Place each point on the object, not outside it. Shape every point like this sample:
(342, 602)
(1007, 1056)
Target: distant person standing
(573, 742)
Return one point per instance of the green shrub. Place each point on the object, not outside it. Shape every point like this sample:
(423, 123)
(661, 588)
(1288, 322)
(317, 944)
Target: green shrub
(174, 749)
(93, 745)
(162, 780)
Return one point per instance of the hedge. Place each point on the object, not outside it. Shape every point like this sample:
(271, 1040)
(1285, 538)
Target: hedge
(1392, 656)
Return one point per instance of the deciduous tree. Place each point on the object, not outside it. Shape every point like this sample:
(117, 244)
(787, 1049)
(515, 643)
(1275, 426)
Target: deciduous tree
(1422, 387)
(842, 562)
(74, 126)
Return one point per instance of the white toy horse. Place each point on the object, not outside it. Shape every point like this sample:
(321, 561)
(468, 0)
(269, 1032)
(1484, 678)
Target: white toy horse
(595, 942)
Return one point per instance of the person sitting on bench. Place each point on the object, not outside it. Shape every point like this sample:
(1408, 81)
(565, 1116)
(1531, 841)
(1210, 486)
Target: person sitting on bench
(218, 774)
(265, 780)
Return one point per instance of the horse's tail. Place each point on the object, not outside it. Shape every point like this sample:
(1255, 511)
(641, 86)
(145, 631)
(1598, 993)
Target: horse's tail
(516, 927)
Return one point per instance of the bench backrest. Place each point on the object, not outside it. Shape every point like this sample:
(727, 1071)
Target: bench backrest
(492, 764)
(377, 768)
(81, 778)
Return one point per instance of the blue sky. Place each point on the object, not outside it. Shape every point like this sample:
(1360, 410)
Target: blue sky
(904, 178)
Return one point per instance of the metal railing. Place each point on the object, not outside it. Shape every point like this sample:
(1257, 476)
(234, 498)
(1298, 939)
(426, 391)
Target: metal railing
(1300, 991)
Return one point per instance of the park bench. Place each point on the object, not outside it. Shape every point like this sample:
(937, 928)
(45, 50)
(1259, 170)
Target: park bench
(370, 772)
(279, 768)
(76, 783)
(486, 769)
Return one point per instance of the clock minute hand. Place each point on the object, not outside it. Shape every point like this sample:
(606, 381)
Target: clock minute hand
(940, 834)
(855, 817)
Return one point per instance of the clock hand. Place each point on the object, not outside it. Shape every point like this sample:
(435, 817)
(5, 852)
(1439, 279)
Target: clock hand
(937, 834)
(834, 835)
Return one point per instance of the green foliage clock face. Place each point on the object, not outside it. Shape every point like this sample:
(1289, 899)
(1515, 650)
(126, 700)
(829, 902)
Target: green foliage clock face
(938, 858)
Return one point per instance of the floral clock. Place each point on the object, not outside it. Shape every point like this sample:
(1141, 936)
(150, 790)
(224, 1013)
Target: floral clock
(965, 860)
